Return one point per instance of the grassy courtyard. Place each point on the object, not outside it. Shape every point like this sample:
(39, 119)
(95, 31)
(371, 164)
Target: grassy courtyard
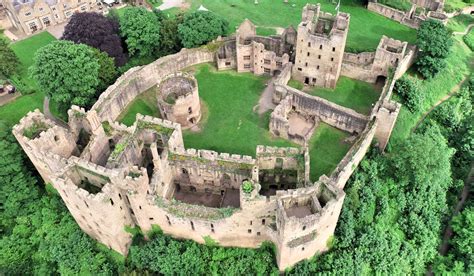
(366, 28)
(25, 50)
(327, 148)
(231, 126)
(351, 93)
(144, 104)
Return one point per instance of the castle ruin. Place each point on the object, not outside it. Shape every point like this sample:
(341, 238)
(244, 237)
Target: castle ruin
(111, 176)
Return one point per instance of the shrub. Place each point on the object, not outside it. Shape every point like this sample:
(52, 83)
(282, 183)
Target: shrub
(247, 187)
(429, 66)
(408, 91)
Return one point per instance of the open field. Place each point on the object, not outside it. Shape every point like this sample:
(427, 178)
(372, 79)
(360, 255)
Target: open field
(327, 148)
(458, 65)
(366, 27)
(25, 50)
(351, 93)
(144, 104)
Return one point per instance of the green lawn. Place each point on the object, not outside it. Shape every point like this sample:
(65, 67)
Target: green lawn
(351, 93)
(231, 125)
(366, 27)
(266, 31)
(144, 104)
(458, 64)
(326, 149)
(454, 5)
(25, 50)
(469, 39)
(459, 23)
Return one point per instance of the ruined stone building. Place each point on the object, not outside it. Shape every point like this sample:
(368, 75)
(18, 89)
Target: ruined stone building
(178, 99)
(111, 176)
(248, 52)
(420, 11)
(320, 47)
(30, 16)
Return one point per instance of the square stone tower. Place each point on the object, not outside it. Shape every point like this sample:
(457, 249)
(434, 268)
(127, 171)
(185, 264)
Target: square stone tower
(320, 46)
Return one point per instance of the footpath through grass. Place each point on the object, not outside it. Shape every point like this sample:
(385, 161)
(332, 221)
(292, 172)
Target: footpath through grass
(366, 28)
(25, 50)
(351, 93)
(458, 65)
(326, 150)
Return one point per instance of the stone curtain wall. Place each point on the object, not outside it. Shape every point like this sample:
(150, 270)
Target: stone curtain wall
(351, 160)
(139, 79)
(338, 116)
(397, 15)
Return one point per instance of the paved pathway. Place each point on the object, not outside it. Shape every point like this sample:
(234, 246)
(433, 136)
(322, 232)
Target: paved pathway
(4, 99)
(168, 4)
(265, 102)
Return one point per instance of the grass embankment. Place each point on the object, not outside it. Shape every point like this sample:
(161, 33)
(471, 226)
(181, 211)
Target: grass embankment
(469, 39)
(454, 5)
(459, 23)
(366, 28)
(354, 94)
(144, 104)
(327, 148)
(25, 50)
(458, 66)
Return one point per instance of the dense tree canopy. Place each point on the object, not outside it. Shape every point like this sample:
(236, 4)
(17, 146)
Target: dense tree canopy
(141, 30)
(434, 42)
(434, 39)
(407, 89)
(8, 59)
(67, 72)
(170, 42)
(200, 27)
(391, 219)
(107, 70)
(97, 31)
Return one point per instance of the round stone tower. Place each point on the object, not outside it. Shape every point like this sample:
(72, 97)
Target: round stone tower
(178, 99)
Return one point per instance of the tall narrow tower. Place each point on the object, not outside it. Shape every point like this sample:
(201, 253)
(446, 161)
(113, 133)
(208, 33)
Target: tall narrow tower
(320, 47)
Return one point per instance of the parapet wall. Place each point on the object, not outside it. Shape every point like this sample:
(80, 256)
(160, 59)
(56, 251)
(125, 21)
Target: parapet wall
(139, 79)
(356, 153)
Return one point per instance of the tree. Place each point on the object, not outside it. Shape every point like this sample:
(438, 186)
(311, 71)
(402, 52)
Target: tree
(97, 31)
(200, 27)
(429, 66)
(170, 42)
(8, 59)
(141, 31)
(67, 72)
(408, 90)
(107, 70)
(434, 42)
(434, 39)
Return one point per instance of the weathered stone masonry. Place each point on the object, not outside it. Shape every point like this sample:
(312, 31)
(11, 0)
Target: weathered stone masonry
(111, 176)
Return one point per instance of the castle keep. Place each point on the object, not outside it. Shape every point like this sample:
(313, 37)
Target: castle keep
(111, 176)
